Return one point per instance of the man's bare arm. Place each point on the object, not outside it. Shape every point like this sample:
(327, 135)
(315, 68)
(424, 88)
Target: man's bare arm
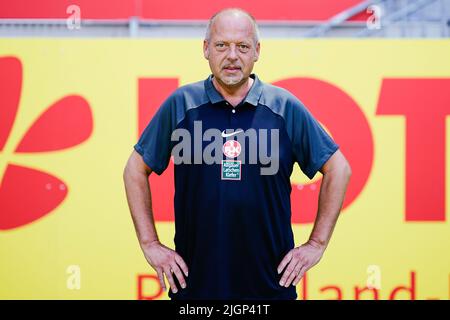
(138, 192)
(163, 259)
(336, 175)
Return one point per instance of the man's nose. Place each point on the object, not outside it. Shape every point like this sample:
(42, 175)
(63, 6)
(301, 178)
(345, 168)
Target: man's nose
(232, 54)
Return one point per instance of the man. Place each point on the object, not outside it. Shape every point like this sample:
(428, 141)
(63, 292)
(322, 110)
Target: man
(233, 235)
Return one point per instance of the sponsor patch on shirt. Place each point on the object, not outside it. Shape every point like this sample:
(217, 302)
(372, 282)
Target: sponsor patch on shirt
(231, 169)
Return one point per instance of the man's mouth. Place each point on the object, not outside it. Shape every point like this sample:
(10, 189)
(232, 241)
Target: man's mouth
(232, 68)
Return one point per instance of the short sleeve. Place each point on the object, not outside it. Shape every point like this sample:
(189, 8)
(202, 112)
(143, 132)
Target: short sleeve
(312, 145)
(154, 145)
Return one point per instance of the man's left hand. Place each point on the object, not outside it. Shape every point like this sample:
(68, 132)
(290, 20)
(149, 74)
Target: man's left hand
(298, 261)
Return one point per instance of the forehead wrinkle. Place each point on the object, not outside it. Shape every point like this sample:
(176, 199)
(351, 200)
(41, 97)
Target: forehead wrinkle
(246, 37)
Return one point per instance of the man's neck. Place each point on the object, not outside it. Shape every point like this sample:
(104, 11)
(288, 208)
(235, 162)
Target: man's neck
(233, 94)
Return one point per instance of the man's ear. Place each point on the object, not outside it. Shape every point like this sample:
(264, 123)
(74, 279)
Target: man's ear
(206, 49)
(257, 49)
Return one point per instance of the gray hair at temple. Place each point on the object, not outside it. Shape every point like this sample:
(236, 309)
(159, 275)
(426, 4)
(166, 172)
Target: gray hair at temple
(233, 10)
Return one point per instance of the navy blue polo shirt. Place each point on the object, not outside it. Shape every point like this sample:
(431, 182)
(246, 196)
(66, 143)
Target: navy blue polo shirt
(232, 223)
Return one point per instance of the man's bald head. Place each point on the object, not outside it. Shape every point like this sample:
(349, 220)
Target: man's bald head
(232, 13)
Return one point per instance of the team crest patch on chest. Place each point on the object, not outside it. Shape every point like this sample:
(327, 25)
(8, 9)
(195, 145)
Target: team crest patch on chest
(231, 148)
(231, 170)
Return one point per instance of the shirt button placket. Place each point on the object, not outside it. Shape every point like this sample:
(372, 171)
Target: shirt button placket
(233, 118)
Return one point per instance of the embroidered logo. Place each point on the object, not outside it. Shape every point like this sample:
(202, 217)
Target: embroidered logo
(231, 149)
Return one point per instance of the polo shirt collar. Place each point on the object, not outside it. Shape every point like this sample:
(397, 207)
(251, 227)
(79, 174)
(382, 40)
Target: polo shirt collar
(252, 96)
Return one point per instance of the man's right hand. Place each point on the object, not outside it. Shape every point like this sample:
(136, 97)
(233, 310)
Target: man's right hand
(166, 261)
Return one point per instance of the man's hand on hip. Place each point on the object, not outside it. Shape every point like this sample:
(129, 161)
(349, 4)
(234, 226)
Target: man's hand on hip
(299, 260)
(166, 261)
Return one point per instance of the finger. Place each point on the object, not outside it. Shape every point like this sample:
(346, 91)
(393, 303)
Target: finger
(288, 271)
(300, 275)
(182, 264)
(293, 274)
(161, 278)
(284, 262)
(170, 279)
(177, 271)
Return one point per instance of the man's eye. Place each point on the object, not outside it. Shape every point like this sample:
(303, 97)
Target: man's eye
(220, 45)
(243, 47)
